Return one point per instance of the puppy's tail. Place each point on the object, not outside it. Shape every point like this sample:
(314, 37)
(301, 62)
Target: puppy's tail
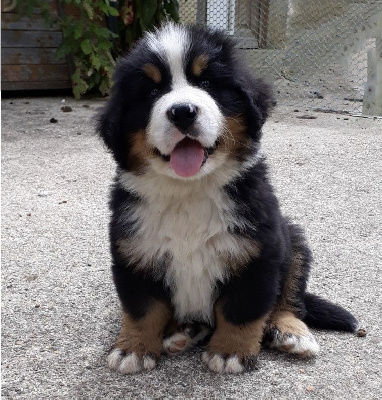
(322, 314)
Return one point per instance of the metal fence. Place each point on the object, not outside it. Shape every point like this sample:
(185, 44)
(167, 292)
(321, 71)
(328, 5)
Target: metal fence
(324, 55)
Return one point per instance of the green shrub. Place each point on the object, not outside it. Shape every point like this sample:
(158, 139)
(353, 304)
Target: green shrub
(90, 44)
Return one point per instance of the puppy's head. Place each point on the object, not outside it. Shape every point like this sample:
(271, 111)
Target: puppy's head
(183, 105)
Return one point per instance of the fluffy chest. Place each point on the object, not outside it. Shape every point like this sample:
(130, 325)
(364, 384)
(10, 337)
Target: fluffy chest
(193, 233)
(189, 233)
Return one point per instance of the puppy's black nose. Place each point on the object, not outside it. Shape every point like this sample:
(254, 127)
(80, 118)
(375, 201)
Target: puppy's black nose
(182, 115)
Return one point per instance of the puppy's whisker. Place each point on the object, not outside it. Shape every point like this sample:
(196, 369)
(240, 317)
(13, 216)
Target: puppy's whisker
(230, 137)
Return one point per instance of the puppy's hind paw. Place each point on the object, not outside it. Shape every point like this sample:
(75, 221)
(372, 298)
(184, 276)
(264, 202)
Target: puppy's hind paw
(185, 338)
(304, 346)
(289, 334)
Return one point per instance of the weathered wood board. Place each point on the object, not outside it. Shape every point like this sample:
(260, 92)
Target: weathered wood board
(28, 47)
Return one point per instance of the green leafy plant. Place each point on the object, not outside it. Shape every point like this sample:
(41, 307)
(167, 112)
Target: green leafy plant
(138, 16)
(88, 41)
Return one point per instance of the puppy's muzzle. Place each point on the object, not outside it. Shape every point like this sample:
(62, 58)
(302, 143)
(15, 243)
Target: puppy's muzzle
(183, 116)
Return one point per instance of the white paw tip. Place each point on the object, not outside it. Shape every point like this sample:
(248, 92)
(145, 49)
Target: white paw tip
(130, 364)
(233, 365)
(149, 363)
(114, 358)
(206, 357)
(216, 364)
(305, 346)
(176, 343)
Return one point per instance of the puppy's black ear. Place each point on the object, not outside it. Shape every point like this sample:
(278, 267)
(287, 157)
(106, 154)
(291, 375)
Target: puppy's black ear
(108, 123)
(263, 98)
(260, 101)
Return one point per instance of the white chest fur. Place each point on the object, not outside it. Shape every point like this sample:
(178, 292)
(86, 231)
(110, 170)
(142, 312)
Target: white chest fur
(190, 223)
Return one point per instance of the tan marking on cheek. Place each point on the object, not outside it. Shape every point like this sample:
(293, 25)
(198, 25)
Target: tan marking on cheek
(139, 151)
(199, 64)
(241, 340)
(152, 72)
(235, 140)
(287, 323)
(144, 336)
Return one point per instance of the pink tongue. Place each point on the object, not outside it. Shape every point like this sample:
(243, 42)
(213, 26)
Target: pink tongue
(187, 157)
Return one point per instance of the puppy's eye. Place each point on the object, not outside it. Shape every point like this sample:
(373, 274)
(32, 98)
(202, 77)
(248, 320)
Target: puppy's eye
(154, 92)
(205, 84)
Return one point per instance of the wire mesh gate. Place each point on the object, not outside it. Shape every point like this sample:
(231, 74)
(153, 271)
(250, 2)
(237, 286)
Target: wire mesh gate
(324, 55)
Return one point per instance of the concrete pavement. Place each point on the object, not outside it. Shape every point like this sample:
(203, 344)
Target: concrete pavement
(60, 312)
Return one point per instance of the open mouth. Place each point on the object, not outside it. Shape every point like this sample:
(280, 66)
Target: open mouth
(188, 157)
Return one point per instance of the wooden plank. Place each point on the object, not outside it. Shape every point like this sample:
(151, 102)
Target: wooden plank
(29, 56)
(19, 73)
(33, 23)
(8, 7)
(36, 85)
(30, 39)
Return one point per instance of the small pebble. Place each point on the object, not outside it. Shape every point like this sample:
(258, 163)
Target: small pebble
(310, 388)
(31, 278)
(361, 332)
(316, 94)
(66, 109)
(53, 121)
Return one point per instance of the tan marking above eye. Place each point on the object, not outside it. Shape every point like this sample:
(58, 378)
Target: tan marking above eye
(199, 64)
(152, 72)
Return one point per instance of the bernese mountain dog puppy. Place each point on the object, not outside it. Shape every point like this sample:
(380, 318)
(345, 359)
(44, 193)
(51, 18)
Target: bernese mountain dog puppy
(200, 249)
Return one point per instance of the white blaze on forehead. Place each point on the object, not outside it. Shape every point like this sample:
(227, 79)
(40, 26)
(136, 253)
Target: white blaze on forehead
(171, 43)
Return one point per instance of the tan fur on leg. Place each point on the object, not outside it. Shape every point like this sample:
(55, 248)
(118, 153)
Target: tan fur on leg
(290, 334)
(234, 348)
(140, 341)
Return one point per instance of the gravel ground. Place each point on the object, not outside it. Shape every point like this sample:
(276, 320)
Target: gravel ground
(60, 313)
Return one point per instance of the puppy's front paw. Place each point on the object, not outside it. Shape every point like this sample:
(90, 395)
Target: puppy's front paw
(139, 343)
(234, 348)
(130, 363)
(229, 364)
